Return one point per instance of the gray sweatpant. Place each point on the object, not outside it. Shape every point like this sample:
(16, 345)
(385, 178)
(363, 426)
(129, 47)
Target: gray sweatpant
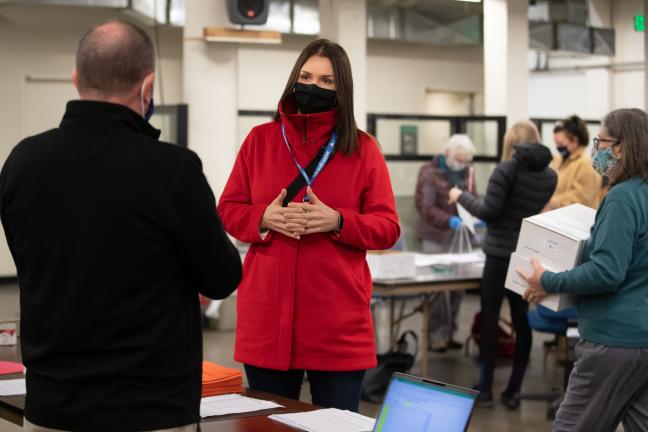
(607, 386)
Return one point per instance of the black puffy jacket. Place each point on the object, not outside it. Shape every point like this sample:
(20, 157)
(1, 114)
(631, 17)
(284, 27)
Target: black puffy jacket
(517, 189)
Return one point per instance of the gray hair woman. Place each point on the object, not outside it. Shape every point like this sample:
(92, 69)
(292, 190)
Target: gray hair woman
(438, 221)
(437, 218)
(609, 382)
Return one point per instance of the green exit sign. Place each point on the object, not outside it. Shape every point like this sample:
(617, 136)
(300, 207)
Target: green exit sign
(640, 23)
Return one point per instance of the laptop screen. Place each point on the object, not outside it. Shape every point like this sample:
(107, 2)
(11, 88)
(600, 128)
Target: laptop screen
(417, 405)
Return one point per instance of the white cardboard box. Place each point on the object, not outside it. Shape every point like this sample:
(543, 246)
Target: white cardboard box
(555, 239)
(514, 282)
(8, 333)
(391, 264)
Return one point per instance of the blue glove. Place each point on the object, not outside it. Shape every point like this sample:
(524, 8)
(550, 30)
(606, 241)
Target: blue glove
(454, 222)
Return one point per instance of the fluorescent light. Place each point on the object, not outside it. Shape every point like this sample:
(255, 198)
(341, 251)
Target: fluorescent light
(470, 1)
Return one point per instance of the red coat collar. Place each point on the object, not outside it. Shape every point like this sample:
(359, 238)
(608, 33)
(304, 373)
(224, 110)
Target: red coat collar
(306, 129)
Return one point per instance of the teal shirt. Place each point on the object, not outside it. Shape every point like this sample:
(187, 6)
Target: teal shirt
(612, 280)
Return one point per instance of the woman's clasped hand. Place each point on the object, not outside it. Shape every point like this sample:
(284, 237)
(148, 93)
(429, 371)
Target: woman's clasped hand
(299, 219)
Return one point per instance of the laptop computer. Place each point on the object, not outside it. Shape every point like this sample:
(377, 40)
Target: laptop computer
(416, 404)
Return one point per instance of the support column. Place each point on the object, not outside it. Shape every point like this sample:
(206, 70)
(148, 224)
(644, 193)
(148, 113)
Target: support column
(209, 84)
(506, 48)
(345, 22)
(645, 60)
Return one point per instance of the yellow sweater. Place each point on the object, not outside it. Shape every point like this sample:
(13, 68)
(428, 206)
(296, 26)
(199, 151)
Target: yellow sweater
(577, 181)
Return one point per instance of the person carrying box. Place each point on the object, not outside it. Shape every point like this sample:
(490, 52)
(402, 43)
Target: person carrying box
(609, 382)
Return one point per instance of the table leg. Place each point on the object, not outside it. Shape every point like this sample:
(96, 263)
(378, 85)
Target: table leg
(392, 337)
(446, 295)
(426, 335)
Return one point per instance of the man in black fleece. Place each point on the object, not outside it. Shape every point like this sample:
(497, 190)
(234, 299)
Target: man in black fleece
(114, 234)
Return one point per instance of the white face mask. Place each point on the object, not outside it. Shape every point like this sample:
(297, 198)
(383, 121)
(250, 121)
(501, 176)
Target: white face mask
(455, 165)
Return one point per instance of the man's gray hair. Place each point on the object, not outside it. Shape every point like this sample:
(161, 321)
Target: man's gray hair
(113, 57)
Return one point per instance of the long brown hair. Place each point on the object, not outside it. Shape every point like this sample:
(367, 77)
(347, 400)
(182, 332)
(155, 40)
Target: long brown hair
(347, 128)
(630, 127)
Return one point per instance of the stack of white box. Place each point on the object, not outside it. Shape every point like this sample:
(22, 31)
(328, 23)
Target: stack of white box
(391, 264)
(555, 239)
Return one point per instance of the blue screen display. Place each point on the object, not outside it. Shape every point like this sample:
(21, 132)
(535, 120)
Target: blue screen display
(418, 407)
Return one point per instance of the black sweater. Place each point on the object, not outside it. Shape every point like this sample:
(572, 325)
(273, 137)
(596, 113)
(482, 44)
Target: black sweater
(113, 234)
(517, 189)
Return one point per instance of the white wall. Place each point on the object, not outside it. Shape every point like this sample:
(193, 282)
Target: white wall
(592, 86)
(398, 74)
(628, 86)
(558, 94)
(263, 72)
(40, 42)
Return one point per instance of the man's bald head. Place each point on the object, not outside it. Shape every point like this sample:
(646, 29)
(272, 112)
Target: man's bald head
(113, 57)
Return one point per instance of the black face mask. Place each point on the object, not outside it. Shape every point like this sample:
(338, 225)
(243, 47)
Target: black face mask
(313, 99)
(563, 152)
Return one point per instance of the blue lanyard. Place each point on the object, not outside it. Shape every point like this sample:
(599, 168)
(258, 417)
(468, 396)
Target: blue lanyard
(320, 165)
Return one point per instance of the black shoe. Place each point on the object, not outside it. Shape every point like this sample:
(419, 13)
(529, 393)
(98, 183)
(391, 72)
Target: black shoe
(454, 345)
(484, 400)
(510, 401)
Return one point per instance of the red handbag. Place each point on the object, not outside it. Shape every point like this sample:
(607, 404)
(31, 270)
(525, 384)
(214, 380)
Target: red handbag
(505, 336)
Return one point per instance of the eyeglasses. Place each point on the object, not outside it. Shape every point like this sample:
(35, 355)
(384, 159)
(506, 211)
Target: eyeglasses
(598, 140)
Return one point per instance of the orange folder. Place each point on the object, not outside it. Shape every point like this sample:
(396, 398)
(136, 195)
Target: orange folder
(220, 380)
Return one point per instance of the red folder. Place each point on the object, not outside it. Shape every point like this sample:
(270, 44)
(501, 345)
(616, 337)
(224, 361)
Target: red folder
(7, 368)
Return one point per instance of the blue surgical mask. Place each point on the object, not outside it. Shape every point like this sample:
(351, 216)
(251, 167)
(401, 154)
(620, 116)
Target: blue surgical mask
(603, 161)
(149, 111)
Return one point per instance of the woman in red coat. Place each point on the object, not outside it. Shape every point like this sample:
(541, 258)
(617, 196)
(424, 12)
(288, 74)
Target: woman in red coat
(303, 303)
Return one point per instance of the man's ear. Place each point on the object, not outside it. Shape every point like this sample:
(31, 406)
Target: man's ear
(75, 78)
(149, 86)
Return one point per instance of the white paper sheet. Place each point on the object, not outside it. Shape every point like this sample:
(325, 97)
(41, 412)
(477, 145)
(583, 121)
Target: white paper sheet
(327, 420)
(424, 260)
(233, 404)
(12, 387)
(468, 220)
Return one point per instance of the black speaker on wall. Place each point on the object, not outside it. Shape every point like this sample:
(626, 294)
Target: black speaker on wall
(248, 11)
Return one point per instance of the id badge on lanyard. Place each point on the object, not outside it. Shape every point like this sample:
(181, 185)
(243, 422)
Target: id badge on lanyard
(320, 165)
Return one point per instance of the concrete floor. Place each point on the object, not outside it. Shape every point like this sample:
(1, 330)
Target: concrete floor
(452, 367)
